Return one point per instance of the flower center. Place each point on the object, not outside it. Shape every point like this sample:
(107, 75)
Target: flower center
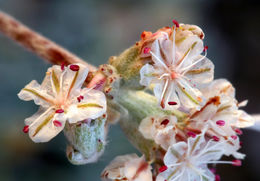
(173, 75)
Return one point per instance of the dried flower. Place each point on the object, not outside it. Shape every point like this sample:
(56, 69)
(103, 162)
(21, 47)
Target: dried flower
(61, 99)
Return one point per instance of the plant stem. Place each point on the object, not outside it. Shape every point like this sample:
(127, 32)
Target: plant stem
(37, 43)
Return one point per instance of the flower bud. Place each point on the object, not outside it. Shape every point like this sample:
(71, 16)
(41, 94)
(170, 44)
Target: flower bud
(86, 140)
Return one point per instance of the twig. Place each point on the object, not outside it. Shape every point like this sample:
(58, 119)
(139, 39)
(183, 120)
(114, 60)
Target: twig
(36, 43)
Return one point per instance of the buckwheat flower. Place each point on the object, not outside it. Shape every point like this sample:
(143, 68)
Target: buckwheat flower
(188, 161)
(127, 168)
(61, 99)
(161, 129)
(222, 114)
(178, 70)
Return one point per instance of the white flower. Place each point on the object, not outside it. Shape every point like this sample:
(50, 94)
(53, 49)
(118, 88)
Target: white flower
(161, 129)
(177, 71)
(61, 99)
(127, 168)
(188, 161)
(222, 115)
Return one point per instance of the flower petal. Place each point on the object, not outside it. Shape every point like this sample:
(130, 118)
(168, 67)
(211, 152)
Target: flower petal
(218, 86)
(161, 57)
(72, 80)
(202, 72)
(190, 97)
(188, 51)
(244, 119)
(175, 153)
(92, 106)
(147, 74)
(33, 91)
(43, 128)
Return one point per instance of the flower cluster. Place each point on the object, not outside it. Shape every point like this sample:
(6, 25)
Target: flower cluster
(174, 111)
(181, 79)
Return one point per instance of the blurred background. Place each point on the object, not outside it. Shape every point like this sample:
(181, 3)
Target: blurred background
(95, 30)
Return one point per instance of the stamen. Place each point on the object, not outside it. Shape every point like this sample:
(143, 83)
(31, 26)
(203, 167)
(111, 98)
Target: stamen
(59, 111)
(163, 168)
(147, 50)
(176, 23)
(74, 67)
(205, 48)
(191, 134)
(237, 163)
(213, 170)
(172, 103)
(57, 123)
(165, 122)
(234, 137)
(217, 177)
(62, 66)
(159, 60)
(220, 122)
(215, 138)
(26, 129)
(80, 98)
(238, 131)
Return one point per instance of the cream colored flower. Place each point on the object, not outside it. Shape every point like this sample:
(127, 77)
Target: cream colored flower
(127, 168)
(187, 161)
(178, 70)
(222, 115)
(61, 99)
(161, 129)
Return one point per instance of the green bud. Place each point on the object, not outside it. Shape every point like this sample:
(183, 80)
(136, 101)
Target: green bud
(86, 141)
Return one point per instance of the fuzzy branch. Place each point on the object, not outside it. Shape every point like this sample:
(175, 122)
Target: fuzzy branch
(36, 43)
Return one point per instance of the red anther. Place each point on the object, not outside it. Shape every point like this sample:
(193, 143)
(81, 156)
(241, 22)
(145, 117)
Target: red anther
(217, 177)
(238, 131)
(165, 122)
(147, 50)
(59, 111)
(172, 103)
(57, 123)
(205, 48)
(213, 170)
(201, 35)
(163, 168)
(220, 122)
(234, 137)
(191, 134)
(74, 67)
(215, 138)
(62, 66)
(78, 98)
(237, 163)
(26, 129)
(176, 23)
(81, 97)
(240, 143)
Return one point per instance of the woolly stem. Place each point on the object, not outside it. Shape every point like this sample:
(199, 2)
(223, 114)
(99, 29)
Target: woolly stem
(37, 43)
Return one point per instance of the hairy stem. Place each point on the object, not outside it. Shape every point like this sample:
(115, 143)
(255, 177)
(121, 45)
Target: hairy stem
(37, 43)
